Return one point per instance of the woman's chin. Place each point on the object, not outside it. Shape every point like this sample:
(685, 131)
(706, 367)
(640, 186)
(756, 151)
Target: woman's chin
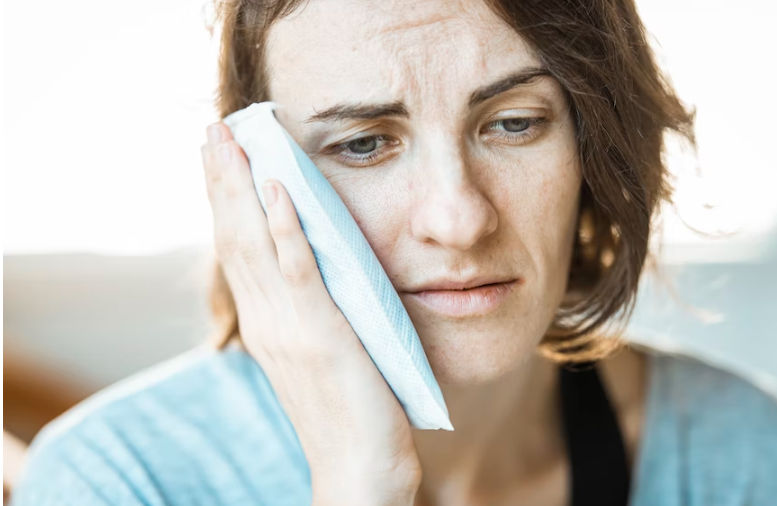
(469, 361)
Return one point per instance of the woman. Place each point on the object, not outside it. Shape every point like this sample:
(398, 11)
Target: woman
(508, 143)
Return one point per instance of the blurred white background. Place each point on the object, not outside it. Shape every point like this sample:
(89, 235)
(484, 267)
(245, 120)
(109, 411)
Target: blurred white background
(105, 107)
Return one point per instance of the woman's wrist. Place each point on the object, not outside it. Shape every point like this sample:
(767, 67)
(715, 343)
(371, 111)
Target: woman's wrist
(396, 489)
(367, 497)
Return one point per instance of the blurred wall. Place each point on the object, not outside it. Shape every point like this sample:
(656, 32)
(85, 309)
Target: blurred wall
(104, 317)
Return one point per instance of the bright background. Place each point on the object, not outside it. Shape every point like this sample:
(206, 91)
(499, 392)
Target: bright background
(106, 104)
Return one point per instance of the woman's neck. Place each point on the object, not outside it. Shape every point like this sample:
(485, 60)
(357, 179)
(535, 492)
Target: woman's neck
(508, 442)
(507, 434)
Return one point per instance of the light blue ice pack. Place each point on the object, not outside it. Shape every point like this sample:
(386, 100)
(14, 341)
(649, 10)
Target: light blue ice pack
(351, 272)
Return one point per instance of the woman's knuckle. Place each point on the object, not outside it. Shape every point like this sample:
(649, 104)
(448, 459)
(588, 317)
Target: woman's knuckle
(212, 172)
(213, 176)
(295, 271)
(338, 322)
(231, 190)
(281, 229)
(226, 243)
(248, 251)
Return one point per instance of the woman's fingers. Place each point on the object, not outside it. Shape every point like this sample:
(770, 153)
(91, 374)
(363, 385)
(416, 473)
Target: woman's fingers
(218, 132)
(262, 253)
(239, 221)
(343, 411)
(296, 261)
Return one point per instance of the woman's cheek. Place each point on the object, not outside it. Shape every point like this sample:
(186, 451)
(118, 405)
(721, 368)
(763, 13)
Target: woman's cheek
(561, 209)
(378, 205)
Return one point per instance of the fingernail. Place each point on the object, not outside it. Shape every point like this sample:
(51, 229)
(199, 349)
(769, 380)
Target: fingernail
(214, 133)
(225, 153)
(270, 193)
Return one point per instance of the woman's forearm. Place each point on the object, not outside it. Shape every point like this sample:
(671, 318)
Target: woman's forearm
(397, 488)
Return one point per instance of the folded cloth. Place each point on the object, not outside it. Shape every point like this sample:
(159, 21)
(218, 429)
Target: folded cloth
(350, 270)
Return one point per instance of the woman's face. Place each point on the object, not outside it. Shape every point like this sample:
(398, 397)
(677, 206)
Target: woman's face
(448, 176)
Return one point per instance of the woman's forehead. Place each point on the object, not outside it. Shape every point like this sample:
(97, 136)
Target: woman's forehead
(408, 51)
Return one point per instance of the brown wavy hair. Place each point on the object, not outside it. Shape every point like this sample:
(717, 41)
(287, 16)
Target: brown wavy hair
(623, 106)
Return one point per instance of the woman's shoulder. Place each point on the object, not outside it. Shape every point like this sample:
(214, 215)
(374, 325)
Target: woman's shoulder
(696, 386)
(709, 432)
(206, 422)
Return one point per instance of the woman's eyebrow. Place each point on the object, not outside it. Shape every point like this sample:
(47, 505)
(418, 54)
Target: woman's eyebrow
(507, 83)
(345, 111)
(341, 112)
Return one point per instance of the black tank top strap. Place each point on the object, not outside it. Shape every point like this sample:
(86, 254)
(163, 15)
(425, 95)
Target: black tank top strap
(600, 474)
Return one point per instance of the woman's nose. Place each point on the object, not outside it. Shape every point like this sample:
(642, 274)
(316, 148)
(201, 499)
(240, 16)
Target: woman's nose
(450, 208)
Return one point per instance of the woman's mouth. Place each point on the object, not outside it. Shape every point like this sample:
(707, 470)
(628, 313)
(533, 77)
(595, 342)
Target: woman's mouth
(464, 303)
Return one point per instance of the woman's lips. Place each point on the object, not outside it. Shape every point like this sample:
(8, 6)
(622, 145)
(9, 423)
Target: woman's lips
(462, 303)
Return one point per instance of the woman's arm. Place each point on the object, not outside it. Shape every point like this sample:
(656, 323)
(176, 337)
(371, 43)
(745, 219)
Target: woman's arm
(69, 472)
(355, 435)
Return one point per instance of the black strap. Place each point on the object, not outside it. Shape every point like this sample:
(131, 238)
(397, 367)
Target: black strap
(599, 468)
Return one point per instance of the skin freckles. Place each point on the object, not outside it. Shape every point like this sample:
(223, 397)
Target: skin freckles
(449, 191)
(444, 197)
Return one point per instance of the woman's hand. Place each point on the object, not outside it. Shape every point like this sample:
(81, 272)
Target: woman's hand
(354, 433)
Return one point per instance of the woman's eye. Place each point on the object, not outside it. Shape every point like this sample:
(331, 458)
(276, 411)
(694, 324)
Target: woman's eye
(516, 129)
(365, 150)
(364, 145)
(516, 124)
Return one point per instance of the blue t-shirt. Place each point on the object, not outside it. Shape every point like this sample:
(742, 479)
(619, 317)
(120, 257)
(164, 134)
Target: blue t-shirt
(206, 429)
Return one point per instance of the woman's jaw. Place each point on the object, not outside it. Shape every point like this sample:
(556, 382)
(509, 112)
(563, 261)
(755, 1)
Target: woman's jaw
(452, 175)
